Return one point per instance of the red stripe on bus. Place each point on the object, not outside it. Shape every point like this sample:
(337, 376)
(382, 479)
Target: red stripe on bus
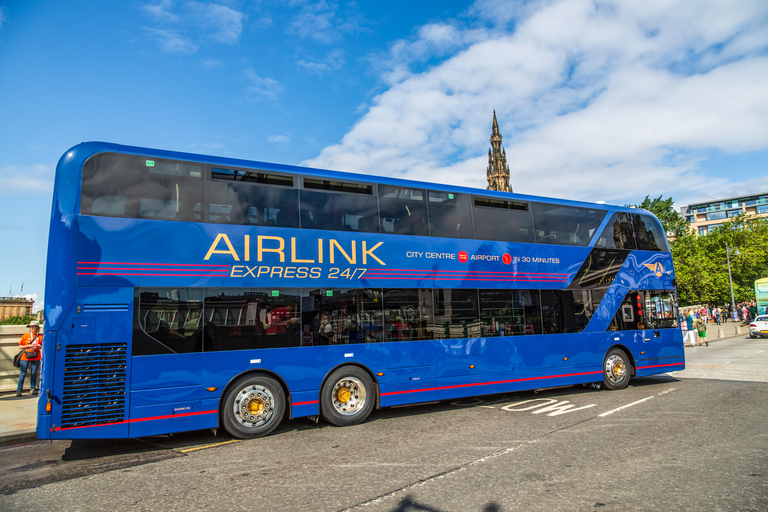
(176, 275)
(497, 280)
(305, 403)
(139, 263)
(472, 272)
(488, 383)
(153, 269)
(136, 420)
(659, 366)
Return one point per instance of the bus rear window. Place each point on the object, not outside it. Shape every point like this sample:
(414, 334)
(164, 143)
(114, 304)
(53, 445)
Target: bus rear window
(119, 185)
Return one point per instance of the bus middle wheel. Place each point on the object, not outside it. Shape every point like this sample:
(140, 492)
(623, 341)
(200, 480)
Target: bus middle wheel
(253, 407)
(347, 397)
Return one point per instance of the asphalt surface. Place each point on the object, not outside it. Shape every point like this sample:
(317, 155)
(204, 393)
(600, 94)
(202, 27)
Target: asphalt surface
(692, 440)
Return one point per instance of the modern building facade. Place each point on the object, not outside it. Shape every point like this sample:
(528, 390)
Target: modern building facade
(15, 306)
(706, 216)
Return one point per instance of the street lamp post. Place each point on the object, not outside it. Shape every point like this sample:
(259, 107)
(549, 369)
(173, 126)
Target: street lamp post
(734, 315)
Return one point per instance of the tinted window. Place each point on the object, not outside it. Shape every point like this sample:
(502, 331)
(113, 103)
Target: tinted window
(456, 314)
(249, 318)
(649, 234)
(353, 211)
(565, 310)
(341, 317)
(660, 310)
(403, 210)
(408, 314)
(649, 309)
(619, 233)
(599, 269)
(565, 225)
(502, 220)
(449, 215)
(168, 321)
(245, 197)
(509, 312)
(140, 187)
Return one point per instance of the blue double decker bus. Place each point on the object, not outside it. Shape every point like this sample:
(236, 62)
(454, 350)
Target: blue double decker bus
(190, 292)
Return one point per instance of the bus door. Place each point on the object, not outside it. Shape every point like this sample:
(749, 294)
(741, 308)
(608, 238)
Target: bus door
(167, 362)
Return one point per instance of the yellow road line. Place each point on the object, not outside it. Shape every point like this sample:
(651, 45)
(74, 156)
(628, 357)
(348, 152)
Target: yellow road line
(209, 446)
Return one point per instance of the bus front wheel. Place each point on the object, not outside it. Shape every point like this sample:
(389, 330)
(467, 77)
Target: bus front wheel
(616, 369)
(253, 406)
(347, 397)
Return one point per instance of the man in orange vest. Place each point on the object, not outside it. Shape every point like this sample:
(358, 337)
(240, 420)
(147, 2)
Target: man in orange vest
(31, 342)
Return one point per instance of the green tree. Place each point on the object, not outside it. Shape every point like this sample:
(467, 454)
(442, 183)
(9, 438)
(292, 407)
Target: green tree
(701, 264)
(670, 218)
(17, 320)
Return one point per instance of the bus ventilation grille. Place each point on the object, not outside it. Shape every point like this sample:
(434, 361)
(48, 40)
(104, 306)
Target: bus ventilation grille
(94, 384)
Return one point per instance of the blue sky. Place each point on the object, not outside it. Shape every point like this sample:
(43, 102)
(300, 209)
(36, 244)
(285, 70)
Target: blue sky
(597, 100)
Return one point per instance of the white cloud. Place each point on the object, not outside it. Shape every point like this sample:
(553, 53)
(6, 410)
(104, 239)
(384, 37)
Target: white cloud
(275, 139)
(19, 179)
(323, 22)
(3, 17)
(262, 87)
(332, 62)
(597, 100)
(182, 26)
(172, 42)
(220, 22)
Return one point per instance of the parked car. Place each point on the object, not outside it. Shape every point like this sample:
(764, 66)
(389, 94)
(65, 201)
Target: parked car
(759, 327)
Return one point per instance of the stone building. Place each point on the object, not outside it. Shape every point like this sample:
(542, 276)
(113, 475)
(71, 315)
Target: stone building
(15, 306)
(498, 170)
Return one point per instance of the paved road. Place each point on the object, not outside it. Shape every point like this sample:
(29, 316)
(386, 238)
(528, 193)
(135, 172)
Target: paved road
(694, 440)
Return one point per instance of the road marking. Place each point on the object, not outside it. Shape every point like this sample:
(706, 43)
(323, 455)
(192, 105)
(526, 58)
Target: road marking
(637, 402)
(550, 405)
(209, 446)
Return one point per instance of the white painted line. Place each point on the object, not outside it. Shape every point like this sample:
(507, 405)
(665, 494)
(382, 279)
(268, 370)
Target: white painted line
(638, 402)
(625, 406)
(488, 406)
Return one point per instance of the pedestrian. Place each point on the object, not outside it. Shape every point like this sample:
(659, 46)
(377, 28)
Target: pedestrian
(31, 342)
(690, 325)
(716, 314)
(701, 326)
(684, 326)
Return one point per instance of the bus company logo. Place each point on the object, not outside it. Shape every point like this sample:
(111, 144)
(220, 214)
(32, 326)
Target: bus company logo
(463, 256)
(656, 268)
(506, 258)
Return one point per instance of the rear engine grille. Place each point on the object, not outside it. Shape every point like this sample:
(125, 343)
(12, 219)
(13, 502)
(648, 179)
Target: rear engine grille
(94, 384)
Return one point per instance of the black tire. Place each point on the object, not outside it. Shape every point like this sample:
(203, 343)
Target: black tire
(753, 336)
(253, 407)
(347, 397)
(616, 369)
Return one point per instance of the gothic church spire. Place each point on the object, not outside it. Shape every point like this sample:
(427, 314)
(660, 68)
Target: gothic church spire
(498, 170)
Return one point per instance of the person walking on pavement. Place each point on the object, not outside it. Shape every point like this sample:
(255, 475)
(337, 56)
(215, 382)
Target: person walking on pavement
(688, 325)
(701, 326)
(31, 342)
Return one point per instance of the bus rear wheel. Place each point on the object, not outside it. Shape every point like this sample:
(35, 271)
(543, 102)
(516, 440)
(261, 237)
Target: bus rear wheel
(347, 397)
(616, 369)
(253, 407)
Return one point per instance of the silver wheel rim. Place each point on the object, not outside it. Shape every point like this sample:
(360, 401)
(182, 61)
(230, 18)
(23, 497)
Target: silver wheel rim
(254, 406)
(348, 396)
(615, 368)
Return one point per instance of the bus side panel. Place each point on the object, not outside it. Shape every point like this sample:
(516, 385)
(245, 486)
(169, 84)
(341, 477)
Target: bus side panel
(167, 395)
(661, 350)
